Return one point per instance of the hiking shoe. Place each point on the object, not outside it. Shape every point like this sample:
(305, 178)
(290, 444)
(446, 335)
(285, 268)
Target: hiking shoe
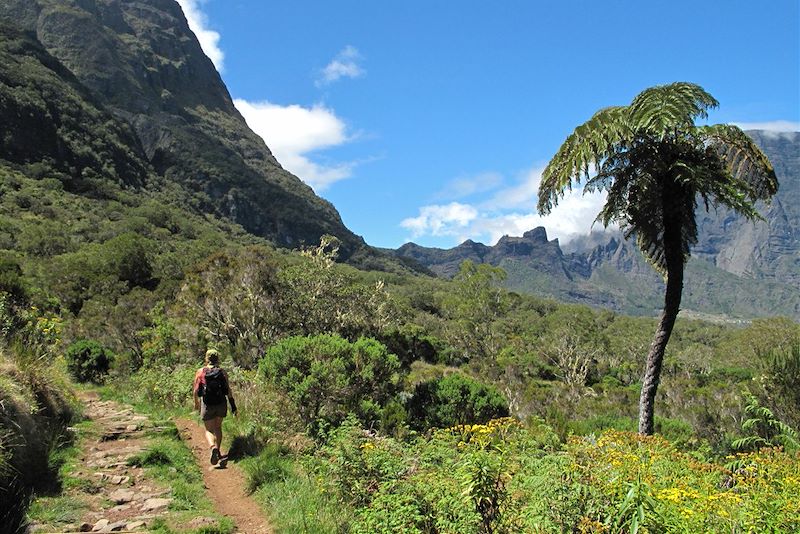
(214, 456)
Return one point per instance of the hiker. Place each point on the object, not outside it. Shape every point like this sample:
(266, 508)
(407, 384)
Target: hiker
(211, 385)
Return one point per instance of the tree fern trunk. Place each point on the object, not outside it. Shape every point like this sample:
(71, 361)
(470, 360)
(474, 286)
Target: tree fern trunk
(675, 261)
(655, 358)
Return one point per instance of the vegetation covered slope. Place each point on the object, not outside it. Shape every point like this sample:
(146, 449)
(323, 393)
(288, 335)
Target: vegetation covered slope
(140, 61)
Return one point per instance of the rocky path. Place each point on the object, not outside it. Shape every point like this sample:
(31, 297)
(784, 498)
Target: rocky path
(112, 494)
(225, 486)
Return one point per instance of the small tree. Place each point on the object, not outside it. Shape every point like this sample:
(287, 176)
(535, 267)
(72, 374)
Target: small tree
(324, 297)
(477, 302)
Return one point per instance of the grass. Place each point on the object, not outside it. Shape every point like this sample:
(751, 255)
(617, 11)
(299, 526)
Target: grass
(56, 510)
(296, 504)
(57, 504)
(223, 526)
(266, 468)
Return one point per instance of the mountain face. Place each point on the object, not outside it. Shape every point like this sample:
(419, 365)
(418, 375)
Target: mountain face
(139, 69)
(738, 269)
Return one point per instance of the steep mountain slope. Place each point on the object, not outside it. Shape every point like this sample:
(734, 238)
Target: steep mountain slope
(139, 61)
(738, 269)
(47, 115)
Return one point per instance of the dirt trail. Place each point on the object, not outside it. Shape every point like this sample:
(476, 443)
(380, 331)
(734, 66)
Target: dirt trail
(110, 495)
(225, 486)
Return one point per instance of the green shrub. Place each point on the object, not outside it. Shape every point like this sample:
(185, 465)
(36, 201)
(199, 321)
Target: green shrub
(454, 400)
(11, 280)
(88, 361)
(327, 377)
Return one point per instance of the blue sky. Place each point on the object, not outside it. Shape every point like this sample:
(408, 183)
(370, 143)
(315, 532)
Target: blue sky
(430, 121)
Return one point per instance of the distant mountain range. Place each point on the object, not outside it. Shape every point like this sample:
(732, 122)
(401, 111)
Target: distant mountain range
(738, 269)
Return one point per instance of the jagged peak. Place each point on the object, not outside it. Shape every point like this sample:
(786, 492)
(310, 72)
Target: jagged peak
(538, 234)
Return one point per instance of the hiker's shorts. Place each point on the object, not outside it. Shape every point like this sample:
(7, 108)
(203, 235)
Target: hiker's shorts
(213, 411)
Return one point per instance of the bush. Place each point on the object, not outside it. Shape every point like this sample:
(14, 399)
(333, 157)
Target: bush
(88, 361)
(328, 377)
(171, 389)
(454, 400)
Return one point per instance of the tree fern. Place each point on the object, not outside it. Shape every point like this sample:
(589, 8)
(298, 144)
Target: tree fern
(656, 166)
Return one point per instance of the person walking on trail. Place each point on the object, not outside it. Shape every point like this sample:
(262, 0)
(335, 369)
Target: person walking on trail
(211, 395)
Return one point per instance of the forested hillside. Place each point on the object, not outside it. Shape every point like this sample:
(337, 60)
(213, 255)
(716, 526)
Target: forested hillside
(145, 69)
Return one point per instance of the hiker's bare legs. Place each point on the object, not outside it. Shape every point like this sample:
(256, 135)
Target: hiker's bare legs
(214, 432)
(218, 432)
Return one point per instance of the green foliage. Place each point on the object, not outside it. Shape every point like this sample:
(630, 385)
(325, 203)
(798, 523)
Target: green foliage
(328, 377)
(11, 280)
(638, 510)
(235, 297)
(764, 429)
(159, 341)
(452, 481)
(171, 389)
(159, 454)
(88, 361)
(474, 306)
(249, 298)
(781, 381)
(649, 152)
(454, 400)
(327, 298)
(127, 257)
(296, 504)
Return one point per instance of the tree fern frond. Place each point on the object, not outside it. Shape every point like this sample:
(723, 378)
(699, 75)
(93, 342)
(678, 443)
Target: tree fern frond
(584, 150)
(749, 443)
(662, 109)
(743, 159)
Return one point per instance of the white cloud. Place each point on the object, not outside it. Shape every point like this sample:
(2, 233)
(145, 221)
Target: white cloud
(509, 211)
(521, 195)
(198, 23)
(441, 220)
(770, 126)
(293, 132)
(344, 65)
